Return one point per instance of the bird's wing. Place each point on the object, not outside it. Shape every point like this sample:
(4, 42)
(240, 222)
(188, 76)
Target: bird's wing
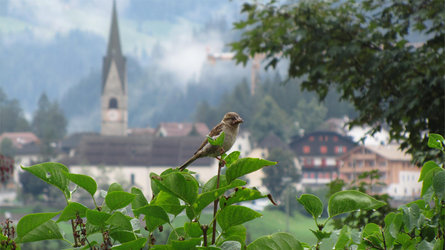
(214, 132)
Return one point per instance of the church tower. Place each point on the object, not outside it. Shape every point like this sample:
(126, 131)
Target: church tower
(114, 85)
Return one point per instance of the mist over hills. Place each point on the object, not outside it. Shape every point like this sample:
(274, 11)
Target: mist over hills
(57, 47)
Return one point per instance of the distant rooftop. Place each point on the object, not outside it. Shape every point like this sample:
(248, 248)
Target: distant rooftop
(390, 152)
(167, 129)
(19, 139)
(141, 150)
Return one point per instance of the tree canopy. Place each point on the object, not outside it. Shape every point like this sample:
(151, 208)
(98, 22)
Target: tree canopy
(385, 57)
(12, 118)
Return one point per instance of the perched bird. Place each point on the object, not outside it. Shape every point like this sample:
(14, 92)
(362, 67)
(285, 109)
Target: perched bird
(230, 126)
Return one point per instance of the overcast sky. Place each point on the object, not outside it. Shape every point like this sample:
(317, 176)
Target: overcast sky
(46, 19)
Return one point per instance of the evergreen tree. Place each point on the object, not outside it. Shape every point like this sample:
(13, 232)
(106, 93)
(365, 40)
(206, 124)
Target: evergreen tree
(49, 124)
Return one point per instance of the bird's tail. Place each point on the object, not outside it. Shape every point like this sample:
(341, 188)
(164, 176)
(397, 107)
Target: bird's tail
(188, 162)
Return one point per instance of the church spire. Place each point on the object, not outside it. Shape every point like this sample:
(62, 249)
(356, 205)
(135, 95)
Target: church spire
(114, 43)
(114, 52)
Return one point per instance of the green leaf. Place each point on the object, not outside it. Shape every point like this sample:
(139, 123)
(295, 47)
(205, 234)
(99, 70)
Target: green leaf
(321, 234)
(439, 185)
(435, 141)
(235, 215)
(115, 187)
(426, 168)
(119, 220)
(155, 189)
(245, 166)
(410, 217)
(282, 241)
(175, 234)
(139, 200)
(218, 141)
(211, 184)
(154, 216)
(70, 212)
(37, 227)
(231, 245)
(351, 200)
(312, 204)
(122, 235)
(97, 218)
(193, 229)
(232, 157)
(371, 229)
(235, 233)
(168, 202)
(83, 181)
(428, 180)
(132, 245)
(118, 199)
(240, 195)
(206, 198)
(182, 185)
(52, 173)
(343, 238)
(186, 244)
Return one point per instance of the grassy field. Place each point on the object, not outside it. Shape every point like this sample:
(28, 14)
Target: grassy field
(275, 221)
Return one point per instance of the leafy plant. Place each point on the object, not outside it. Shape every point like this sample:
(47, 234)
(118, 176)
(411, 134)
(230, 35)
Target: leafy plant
(419, 224)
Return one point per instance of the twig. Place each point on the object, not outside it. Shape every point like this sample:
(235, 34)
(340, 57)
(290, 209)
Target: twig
(215, 203)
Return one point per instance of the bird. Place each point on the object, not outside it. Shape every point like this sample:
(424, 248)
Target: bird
(230, 126)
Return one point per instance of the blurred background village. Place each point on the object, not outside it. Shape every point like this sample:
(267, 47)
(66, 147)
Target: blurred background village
(120, 90)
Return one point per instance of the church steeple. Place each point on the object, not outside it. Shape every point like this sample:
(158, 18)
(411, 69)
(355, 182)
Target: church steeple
(114, 52)
(114, 97)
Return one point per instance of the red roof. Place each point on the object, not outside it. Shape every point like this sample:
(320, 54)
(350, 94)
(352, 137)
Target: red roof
(20, 138)
(181, 129)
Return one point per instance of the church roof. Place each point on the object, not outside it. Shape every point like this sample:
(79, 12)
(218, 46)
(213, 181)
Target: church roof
(137, 150)
(167, 129)
(114, 52)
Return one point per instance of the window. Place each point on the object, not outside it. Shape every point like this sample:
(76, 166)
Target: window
(339, 149)
(312, 175)
(335, 138)
(323, 149)
(323, 162)
(306, 149)
(132, 179)
(239, 147)
(113, 103)
(311, 138)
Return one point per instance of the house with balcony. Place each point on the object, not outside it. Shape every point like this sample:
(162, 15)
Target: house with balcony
(318, 154)
(394, 165)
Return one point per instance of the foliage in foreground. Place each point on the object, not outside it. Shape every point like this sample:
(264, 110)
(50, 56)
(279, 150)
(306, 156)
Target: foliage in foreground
(419, 224)
(383, 56)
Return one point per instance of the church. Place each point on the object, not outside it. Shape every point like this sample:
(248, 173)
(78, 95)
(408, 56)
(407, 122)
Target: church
(115, 155)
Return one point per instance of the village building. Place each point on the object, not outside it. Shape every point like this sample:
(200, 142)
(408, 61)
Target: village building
(318, 154)
(397, 172)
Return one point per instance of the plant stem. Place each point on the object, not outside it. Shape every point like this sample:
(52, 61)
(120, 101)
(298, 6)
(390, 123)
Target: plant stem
(215, 203)
(204, 233)
(74, 236)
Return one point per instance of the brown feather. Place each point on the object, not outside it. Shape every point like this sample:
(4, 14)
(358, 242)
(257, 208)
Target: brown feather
(214, 132)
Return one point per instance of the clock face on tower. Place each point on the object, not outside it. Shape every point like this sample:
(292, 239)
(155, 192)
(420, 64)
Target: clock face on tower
(113, 115)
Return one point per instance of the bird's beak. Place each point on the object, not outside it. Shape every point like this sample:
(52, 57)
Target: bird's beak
(238, 121)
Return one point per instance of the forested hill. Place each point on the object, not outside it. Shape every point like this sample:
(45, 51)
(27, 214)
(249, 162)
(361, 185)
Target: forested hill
(56, 46)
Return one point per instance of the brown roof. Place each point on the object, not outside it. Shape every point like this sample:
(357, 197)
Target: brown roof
(390, 152)
(20, 138)
(181, 129)
(136, 151)
(141, 131)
